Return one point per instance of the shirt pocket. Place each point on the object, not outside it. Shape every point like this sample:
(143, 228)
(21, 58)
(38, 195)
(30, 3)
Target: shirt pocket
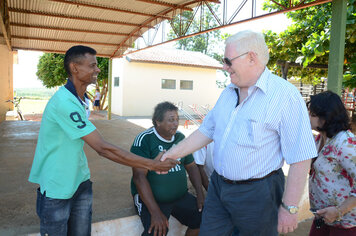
(249, 133)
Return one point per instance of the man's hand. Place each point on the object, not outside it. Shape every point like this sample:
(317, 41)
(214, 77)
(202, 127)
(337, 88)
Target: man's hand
(286, 222)
(162, 167)
(165, 156)
(200, 201)
(159, 224)
(330, 214)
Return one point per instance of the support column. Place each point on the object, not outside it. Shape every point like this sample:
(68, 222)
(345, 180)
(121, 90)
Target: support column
(109, 88)
(337, 45)
(6, 80)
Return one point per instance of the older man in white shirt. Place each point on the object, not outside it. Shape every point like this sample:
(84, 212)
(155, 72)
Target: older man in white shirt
(259, 121)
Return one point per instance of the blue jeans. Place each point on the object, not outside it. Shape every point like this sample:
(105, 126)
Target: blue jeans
(72, 216)
(246, 209)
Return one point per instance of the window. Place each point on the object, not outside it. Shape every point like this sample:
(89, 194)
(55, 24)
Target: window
(168, 84)
(186, 84)
(116, 81)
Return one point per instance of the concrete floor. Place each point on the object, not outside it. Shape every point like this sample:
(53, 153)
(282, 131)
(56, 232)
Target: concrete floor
(112, 197)
(111, 187)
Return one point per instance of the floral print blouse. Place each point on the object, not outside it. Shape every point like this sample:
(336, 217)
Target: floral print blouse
(333, 176)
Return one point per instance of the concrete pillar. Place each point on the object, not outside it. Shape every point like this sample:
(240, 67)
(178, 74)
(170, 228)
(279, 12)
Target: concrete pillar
(337, 45)
(6, 80)
(109, 88)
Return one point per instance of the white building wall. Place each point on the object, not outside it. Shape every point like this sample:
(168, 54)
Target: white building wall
(117, 92)
(141, 87)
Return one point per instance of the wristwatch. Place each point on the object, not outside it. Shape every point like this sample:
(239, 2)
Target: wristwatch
(290, 209)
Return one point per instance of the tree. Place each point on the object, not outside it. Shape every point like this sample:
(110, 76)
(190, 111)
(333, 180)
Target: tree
(51, 72)
(207, 43)
(307, 42)
(210, 43)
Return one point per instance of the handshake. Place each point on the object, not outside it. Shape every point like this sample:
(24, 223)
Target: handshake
(164, 162)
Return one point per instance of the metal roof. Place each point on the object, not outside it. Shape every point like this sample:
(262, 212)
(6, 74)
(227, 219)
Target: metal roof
(174, 57)
(109, 26)
(112, 26)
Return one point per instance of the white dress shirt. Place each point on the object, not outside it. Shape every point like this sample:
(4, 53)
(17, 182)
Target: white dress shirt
(204, 157)
(253, 139)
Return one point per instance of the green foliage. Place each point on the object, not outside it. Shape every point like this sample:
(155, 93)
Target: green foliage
(307, 41)
(50, 70)
(103, 64)
(205, 43)
(210, 43)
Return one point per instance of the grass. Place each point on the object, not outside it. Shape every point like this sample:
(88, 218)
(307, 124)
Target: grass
(34, 93)
(34, 100)
(32, 106)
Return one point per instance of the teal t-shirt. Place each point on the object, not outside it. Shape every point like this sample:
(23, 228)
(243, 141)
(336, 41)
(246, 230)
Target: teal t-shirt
(60, 164)
(168, 187)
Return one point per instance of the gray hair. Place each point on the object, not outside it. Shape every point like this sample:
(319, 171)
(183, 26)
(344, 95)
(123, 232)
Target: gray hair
(247, 40)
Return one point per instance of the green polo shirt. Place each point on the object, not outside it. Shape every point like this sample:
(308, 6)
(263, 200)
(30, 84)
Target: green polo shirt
(60, 164)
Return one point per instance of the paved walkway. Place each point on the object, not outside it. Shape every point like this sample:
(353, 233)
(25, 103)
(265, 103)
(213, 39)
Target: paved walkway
(111, 181)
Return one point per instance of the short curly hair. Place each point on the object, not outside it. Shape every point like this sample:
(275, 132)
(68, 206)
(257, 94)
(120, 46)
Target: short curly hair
(75, 54)
(329, 107)
(160, 110)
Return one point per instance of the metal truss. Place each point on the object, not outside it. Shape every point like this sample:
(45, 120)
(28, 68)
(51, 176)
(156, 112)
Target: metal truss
(228, 13)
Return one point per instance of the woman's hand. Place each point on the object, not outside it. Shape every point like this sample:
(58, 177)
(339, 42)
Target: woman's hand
(330, 214)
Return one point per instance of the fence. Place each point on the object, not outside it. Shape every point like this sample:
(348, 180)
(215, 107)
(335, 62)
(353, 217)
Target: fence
(307, 90)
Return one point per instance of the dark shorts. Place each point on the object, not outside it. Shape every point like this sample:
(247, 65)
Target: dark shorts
(185, 210)
(97, 103)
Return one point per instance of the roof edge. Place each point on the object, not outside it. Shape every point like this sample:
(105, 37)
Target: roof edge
(172, 63)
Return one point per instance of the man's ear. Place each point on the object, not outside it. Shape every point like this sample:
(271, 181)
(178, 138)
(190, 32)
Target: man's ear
(252, 57)
(73, 68)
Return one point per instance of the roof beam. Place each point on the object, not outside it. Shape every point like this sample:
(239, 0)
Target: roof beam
(4, 23)
(294, 8)
(66, 41)
(77, 3)
(176, 6)
(149, 21)
(52, 51)
(69, 29)
(47, 14)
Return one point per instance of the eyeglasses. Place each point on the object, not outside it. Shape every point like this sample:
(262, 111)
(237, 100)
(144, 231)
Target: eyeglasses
(228, 61)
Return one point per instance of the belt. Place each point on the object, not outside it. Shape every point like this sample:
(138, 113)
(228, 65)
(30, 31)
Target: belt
(246, 181)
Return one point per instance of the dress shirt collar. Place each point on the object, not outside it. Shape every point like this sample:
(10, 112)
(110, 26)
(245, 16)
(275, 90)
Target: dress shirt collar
(261, 82)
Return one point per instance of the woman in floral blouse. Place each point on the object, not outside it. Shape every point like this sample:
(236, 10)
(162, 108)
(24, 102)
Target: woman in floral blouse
(332, 183)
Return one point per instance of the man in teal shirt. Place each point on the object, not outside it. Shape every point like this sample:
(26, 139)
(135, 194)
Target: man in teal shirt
(60, 167)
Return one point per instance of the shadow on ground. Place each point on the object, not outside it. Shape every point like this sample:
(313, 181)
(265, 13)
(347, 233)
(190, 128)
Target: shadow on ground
(112, 197)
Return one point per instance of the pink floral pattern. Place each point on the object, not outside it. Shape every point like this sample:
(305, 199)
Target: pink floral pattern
(333, 175)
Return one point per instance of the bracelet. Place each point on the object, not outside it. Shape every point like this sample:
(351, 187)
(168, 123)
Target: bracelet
(339, 212)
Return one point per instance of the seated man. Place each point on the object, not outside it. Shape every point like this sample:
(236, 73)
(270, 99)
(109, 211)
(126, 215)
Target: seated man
(156, 196)
(204, 160)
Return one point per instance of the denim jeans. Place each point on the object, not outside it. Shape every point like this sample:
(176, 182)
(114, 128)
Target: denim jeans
(72, 216)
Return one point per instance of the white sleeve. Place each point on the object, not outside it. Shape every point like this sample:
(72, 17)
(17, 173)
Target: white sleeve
(200, 156)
